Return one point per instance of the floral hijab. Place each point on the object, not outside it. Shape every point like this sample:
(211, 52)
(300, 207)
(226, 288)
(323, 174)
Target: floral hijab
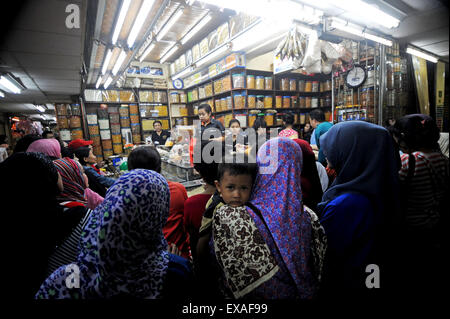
(278, 196)
(123, 250)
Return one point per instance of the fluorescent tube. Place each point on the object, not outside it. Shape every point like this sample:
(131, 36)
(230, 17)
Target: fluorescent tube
(169, 24)
(98, 82)
(119, 62)
(146, 52)
(140, 19)
(196, 28)
(421, 54)
(107, 83)
(168, 53)
(106, 62)
(120, 19)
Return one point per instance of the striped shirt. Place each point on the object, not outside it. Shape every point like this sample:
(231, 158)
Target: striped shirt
(67, 252)
(426, 189)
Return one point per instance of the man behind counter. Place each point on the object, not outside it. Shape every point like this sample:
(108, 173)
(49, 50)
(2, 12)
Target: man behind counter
(159, 136)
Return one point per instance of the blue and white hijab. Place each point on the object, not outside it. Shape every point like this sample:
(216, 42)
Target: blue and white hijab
(123, 251)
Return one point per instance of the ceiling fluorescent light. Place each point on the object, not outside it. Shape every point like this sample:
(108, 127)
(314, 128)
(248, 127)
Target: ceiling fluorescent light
(421, 54)
(146, 52)
(2, 94)
(168, 53)
(365, 11)
(98, 82)
(40, 108)
(107, 83)
(182, 73)
(203, 21)
(120, 19)
(169, 24)
(10, 84)
(214, 54)
(142, 15)
(119, 62)
(106, 62)
(343, 26)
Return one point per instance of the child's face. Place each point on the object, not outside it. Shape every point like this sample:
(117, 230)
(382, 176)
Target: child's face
(235, 189)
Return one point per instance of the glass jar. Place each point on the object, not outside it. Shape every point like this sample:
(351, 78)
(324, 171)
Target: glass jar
(302, 118)
(218, 106)
(278, 101)
(302, 102)
(284, 84)
(268, 83)
(267, 101)
(269, 117)
(294, 101)
(292, 85)
(327, 86)
(286, 101)
(308, 102)
(308, 86)
(260, 83)
(252, 117)
(250, 81)
(260, 101)
(327, 101)
(301, 85)
(314, 102)
(315, 86)
(251, 101)
(229, 103)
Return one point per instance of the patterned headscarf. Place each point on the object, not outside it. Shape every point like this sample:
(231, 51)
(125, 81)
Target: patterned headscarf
(279, 198)
(49, 146)
(123, 250)
(73, 180)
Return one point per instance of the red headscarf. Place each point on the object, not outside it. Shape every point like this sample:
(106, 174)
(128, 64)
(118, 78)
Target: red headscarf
(310, 180)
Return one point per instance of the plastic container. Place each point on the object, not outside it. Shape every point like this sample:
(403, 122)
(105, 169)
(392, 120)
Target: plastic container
(302, 118)
(183, 98)
(268, 83)
(284, 84)
(238, 81)
(314, 102)
(226, 83)
(250, 81)
(292, 85)
(116, 138)
(251, 118)
(286, 101)
(251, 101)
(315, 86)
(259, 82)
(267, 101)
(301, 85)
(308, 102)
(327, 85)
(174, 97)
(239, 102)
(218, 106)
(229, 103)
(294, 102)
(269, 117)
(327, 100)
(308, 86)
(218, 86)
(302, 102)
(278, 101)
(93, 130)
(260, 101)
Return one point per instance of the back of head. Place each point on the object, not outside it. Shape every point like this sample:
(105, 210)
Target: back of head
(317, 115)
(81, 153)
(416, 131)
(23, 144)
(46, 133)
(48, 146)
(288, 118)
(259, 122)
(145, 157)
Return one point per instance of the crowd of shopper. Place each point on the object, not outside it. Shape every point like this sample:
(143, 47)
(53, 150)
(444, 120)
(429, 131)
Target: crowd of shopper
(278, 226)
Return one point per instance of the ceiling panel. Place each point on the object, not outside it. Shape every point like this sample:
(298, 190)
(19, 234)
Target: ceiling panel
(30, 60)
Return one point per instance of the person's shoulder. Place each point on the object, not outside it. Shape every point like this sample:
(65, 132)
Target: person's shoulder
(350, 201)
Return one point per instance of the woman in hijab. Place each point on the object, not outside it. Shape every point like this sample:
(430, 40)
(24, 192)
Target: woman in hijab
(360, 205)
(123, 250)
(75, 211)
(48, 146)
(311, 185)
(30, 183)
(284, 244)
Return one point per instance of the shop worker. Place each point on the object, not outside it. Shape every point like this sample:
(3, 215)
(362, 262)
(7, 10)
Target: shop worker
(317, 121)
(98, 182)
(204, 114)
(159, 136)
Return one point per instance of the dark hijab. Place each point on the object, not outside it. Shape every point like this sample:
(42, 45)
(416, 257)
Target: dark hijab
(364, 158)
(29, 182)
(310, 180)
